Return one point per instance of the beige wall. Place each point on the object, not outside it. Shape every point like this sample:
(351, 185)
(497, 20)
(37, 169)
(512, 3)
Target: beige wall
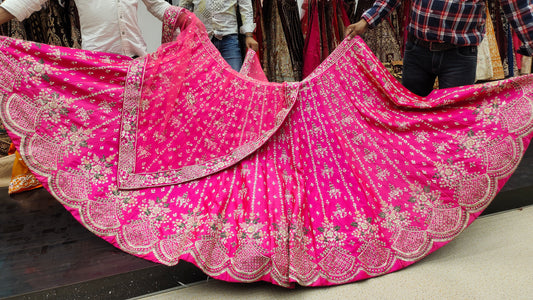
(150, 26)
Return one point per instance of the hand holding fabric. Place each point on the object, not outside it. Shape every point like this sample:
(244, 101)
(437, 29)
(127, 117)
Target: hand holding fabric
(251, 43)
(356, 29)
(5, 16)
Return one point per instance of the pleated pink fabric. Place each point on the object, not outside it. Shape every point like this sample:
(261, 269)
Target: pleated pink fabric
(174, 156)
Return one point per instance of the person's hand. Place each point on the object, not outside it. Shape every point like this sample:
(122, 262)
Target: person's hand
(356, 29)
(5, 16)
(251, 43)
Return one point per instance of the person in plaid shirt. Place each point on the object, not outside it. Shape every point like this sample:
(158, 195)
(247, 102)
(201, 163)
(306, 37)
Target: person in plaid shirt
(443, 36)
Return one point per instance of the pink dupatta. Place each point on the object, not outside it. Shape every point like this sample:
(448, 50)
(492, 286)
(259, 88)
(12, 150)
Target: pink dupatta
(341, 177)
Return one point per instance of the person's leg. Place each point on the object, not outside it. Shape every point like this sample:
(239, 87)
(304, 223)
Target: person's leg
(230, 50)
(458, 67)
(417, 74)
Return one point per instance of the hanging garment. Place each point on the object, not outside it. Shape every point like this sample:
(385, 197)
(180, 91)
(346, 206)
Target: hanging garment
(289, 14)
(5, 142)
(258, 33)
(22, 179)
(340, 177)
(526, 65)
(385, 41)
(324, 30)
(485, 55)
(57, 23)
(280, 37)
(484, 61)
(496, 60)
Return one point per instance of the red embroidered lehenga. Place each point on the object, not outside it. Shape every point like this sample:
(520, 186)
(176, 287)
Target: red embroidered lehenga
(340, 177)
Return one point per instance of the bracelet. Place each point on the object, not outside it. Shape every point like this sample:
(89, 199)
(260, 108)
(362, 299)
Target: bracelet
(249, 35)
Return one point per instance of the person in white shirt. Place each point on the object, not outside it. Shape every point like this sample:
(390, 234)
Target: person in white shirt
(220, 20)
(106, 25)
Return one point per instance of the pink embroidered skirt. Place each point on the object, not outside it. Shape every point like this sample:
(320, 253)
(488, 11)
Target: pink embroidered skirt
(340, 177)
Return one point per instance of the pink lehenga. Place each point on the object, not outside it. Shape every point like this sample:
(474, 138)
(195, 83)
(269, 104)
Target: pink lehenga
(340, 177)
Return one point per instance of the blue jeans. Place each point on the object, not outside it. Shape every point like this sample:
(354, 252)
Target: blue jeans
(453, 67)
(230, 49)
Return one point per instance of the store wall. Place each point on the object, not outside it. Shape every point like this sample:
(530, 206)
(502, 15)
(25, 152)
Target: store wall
(150, 27)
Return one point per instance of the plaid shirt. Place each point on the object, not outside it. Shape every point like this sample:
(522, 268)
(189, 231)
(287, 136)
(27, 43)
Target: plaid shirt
(459, 22)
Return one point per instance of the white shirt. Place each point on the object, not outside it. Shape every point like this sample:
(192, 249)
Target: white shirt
(106, 25)
(220, 16)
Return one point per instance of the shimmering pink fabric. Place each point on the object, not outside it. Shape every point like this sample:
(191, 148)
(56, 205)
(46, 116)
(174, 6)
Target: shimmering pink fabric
(192, 116)
(341, 177)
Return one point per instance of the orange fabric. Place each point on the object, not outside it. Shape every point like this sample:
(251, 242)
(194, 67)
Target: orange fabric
(21, 177)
